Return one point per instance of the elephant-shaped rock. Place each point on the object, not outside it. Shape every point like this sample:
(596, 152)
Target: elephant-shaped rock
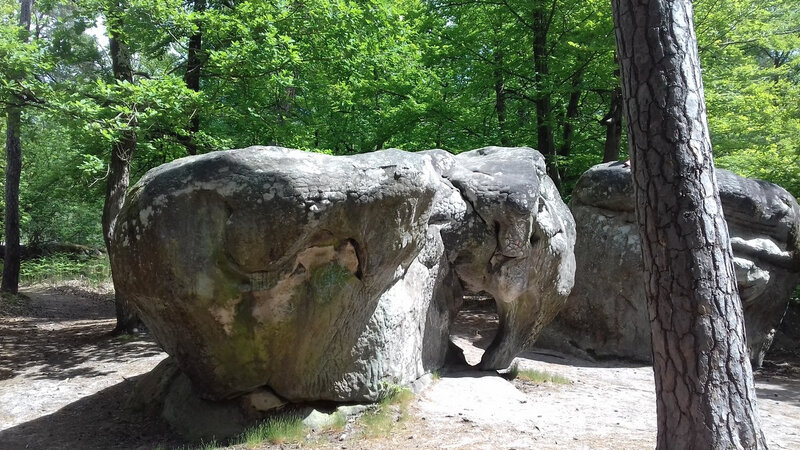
(321, 277)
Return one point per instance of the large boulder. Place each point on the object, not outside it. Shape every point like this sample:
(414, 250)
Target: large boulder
(331, 278)
(606, 313)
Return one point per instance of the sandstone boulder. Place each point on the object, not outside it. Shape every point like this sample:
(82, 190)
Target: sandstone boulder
(515, 242)
(331, 278)
(606, 313)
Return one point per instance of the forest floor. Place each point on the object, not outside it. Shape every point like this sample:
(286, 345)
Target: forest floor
(64, 383)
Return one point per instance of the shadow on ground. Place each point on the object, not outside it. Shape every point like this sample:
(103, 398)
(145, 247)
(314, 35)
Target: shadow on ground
(784, 389)
(99, 421)
(65, 352)
(64, 336)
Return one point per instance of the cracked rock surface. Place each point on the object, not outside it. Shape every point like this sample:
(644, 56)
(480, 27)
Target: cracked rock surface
(322, 277)
(606, 313)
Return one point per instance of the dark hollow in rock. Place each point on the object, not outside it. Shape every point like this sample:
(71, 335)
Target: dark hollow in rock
(606, 313)
(317, 277)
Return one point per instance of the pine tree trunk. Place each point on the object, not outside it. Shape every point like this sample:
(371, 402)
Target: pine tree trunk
(704, 382)
(119, 173)
(12, 256)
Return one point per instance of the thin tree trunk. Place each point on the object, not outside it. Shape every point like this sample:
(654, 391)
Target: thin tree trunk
(194, 67)
(119, 172)
(613, 123)
(704, 382)
(544, 128)
(11, 258)
(565, 150)
(500, 97)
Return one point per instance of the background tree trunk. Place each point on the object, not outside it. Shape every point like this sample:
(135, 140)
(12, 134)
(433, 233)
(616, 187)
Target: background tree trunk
(545, 141)
(11, 258)
(613, 123)
(500, 96)
(119, 171)
(194, 65)
(565, 150)
(704, 382)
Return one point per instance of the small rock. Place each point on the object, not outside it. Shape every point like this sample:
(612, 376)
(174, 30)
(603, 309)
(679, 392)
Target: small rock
(263, 400)
(317, 420)
(352, 410)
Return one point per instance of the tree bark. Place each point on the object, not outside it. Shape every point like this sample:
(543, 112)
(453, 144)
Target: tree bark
(704, 383)
(194, 67)
(12, 255)
(613, 123)
(119, 171)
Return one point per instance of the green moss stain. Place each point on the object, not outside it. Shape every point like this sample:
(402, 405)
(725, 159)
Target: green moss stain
(326, 281)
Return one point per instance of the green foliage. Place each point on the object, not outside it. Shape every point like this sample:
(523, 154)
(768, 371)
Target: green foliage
(60, 267)
(345, 77)
(751, 57)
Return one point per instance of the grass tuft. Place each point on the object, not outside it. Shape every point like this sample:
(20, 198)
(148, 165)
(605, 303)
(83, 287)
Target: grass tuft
(339, 422)
(210, 445)
(535, 376)
(276, 430)
(391, 410)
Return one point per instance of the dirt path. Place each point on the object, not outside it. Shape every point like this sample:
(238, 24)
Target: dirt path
(63, 377)
(64, 384)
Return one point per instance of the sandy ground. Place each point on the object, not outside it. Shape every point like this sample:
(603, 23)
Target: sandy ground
(64, 383)
(64, 380)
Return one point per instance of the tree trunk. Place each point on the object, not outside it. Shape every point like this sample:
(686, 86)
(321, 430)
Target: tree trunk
(572, 112)
(119, 172)
(12, 255)
(704, 382)
(11, 259)
(500, 97)
(544, 128)
(613, 123)
(194, 66)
